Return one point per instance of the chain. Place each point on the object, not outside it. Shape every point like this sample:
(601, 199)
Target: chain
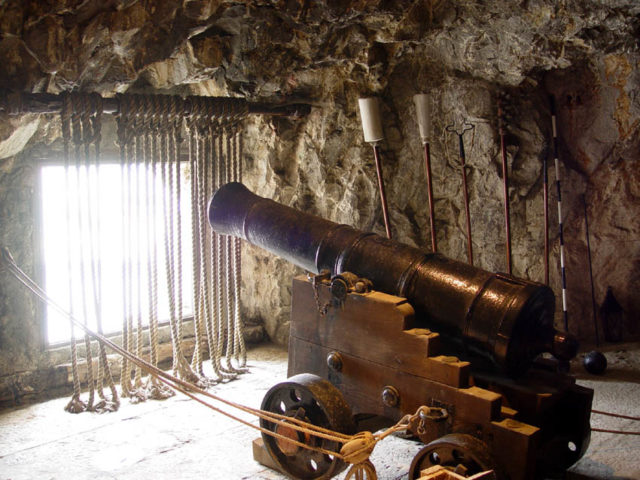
(315, 282)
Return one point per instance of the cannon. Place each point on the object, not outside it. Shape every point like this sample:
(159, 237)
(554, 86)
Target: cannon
(380, 329)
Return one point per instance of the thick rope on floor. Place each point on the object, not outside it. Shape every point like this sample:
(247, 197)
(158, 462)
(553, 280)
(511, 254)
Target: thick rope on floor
(356, 448)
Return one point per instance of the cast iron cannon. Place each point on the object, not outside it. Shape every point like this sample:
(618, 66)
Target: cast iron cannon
(356, 354)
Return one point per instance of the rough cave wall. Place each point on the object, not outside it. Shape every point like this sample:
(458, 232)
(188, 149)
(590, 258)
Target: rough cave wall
(330, 53)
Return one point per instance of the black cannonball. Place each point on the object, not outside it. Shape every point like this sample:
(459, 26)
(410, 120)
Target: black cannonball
(595, 362)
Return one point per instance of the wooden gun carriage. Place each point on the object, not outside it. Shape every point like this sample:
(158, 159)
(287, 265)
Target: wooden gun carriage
(383, 330)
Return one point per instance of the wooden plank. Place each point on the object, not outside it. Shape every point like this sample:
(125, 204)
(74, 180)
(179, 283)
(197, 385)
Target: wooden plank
(361, 381)
(373, 325)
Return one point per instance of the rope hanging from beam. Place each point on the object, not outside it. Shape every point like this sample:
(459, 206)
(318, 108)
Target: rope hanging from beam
(154, 219)
(81, 125)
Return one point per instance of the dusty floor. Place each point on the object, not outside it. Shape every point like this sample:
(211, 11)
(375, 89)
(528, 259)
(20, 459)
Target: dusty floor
(178, 438)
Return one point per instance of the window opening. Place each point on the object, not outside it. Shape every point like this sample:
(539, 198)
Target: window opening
(65, 202)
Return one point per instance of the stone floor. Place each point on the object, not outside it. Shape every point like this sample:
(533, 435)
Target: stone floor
(179, 438)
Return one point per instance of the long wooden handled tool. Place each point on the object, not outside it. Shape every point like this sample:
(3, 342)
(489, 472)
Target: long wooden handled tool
(554, 127)
(505, 184)
(465, 128)
(545, 200)
(423, 114)
(372, 128)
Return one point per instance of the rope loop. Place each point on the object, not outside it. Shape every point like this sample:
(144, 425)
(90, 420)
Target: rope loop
(97, 103)
(65, 117)
(362, 471)
(150, 106)
(212, 110)
(240, 109)
(77, 114)
(176, 117)
(123, 120)
(85, 103)
(161, 111)
(137, 111)
(144, 114)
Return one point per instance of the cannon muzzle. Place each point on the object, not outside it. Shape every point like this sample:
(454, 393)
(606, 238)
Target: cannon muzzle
(505, 318)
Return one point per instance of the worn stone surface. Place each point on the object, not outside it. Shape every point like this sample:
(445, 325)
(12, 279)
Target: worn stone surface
(462, 53)
(15, 132)
(180, 438)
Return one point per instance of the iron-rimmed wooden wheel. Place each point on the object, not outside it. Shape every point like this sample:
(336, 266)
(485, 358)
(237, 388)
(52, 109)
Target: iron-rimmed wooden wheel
(314, 400)
(462, 453)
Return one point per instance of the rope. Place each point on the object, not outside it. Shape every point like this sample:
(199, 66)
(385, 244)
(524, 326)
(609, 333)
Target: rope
(228, 285)
(240, 350)
(196, 361)
(78, 118)
(356, 449)
(223, 305)
(75, 405)
(202, 184)
(213, 287)
(137, 221)
(168, 230)
(618, 432)
(223, 308)
(155, 388)
(125, 130)
(136, 394)
(152, 388)
(617, 415)
(168, 154)
(174, 140)
(148, 130)
(92, 128)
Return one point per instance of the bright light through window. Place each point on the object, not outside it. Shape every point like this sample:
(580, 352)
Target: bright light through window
(67, 247)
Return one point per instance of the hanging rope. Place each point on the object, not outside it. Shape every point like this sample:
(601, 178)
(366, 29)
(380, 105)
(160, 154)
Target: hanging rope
(149, 135)
(81, 125)
(77, 135)
(75, 405)
(239, 347)
(216, 292)
(154, 389)
(92, 124)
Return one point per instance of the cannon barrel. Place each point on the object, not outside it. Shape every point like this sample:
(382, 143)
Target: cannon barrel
(503, 317)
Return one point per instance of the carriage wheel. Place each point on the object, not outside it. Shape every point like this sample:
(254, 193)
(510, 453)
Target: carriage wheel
(314, 400)
(461, 453)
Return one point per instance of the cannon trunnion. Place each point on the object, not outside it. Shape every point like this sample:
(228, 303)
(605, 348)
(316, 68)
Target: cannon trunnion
(395, 329)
